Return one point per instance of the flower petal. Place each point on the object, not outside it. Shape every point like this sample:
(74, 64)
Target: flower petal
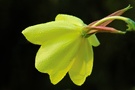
(82, 67)
(93, 40)
(69, 18)
(40, 33)
(55, 56)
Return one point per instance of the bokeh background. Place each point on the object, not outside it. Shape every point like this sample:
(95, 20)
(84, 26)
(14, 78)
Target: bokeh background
(114, 59)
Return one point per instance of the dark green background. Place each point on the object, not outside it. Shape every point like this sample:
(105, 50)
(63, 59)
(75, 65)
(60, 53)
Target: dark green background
(114, 63)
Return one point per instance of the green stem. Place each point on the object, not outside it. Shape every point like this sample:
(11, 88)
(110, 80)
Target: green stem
(111, 18)
(130, 24)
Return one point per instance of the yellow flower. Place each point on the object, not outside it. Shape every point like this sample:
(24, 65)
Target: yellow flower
(63, 48)
(66, 45)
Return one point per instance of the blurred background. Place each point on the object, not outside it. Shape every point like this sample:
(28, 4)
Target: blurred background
(114, 59)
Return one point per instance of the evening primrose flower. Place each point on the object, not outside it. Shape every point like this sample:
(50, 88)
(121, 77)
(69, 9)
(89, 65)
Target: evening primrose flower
(66, 44)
